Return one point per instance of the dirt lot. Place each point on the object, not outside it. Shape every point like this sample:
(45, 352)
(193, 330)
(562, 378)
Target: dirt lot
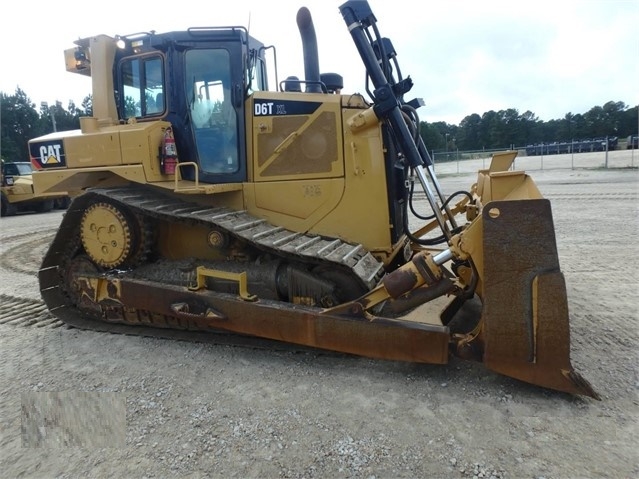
(82, 404)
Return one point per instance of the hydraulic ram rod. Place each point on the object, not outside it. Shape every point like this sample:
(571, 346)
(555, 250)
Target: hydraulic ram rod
(358, 17)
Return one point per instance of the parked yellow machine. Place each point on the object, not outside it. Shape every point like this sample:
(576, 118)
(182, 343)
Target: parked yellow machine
(17, 194)
(211, 203)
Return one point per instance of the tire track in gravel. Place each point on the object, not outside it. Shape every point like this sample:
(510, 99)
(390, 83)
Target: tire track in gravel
(24, 312)
(596, 236)
(26, 255)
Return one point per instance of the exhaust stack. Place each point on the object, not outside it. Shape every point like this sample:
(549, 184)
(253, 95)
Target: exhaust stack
(311, 56)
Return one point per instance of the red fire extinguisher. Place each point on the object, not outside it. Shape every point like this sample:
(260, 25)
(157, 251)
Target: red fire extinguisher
(169, 153)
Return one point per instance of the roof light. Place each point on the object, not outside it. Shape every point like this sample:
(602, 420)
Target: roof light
(119, 42)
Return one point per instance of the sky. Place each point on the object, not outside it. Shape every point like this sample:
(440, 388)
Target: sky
(464, 57)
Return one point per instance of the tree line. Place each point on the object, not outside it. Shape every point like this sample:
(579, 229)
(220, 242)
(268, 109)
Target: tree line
(20, 120)
(506, 128)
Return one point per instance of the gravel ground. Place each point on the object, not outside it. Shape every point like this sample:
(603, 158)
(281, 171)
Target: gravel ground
(82, 404)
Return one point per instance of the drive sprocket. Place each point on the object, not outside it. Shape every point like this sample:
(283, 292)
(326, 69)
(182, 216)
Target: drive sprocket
(107, 235)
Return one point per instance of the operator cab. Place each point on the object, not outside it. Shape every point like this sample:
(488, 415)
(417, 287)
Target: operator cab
(197, 80)
(11, 170)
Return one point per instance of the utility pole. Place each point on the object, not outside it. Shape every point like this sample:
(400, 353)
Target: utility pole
(45, 106)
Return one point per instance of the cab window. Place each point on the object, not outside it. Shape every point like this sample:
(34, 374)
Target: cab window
(256, 77)
(213, 116)
(142, 87)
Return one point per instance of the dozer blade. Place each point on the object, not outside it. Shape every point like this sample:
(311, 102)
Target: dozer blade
(526, 332)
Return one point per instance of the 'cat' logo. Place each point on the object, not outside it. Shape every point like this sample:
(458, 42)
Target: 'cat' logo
(47, 154)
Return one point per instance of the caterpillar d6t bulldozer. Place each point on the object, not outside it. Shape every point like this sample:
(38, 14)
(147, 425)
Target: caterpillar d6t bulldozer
(206, 203)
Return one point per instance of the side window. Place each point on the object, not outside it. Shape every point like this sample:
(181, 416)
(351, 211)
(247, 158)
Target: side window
(256, 76)
(130, 72)
(142, 81)
(154, 86)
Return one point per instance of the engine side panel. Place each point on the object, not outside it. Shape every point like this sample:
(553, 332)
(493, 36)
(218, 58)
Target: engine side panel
(311, 173)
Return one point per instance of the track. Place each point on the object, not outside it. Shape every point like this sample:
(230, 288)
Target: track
(24, 253)
(148, 203)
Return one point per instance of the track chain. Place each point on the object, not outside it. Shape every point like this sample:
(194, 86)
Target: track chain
(241, 224)
(147, 202)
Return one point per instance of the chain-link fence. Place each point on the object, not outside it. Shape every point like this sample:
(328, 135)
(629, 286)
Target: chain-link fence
(471, 161)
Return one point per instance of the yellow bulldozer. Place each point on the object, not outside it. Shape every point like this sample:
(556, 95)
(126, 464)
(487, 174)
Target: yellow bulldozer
(207, 203)
(17, 194)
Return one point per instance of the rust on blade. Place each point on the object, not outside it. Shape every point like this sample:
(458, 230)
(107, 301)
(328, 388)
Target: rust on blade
(388, 339)
(526, 331)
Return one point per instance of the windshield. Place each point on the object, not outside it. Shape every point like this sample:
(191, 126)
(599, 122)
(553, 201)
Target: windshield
(25, 169)
(208, 83)
(18, 169)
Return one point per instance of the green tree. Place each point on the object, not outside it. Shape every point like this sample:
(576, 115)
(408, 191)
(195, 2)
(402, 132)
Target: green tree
(529, 128)
(20, 121)
(629, 122)
(429, 134)
(469, 132)
(87, 106)
(506, 128)
(491, 130)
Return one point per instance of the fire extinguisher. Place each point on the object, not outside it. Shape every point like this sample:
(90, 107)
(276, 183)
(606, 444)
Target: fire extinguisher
(169, 153)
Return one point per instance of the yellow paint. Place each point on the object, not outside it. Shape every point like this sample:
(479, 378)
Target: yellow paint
(333, 185)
